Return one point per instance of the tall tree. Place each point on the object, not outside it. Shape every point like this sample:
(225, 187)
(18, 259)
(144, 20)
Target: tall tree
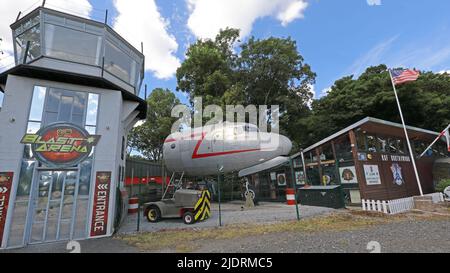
(265, 72)
(207, 71)
(149, 137)
(425, 103)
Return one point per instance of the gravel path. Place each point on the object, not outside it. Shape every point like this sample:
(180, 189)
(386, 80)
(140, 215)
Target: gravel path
(400, 237)
(232, 213)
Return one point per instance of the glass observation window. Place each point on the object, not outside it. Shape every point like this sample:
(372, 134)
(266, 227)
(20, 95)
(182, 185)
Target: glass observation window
(81, 41)
(72, 45)
(32, 37)
(120, 64)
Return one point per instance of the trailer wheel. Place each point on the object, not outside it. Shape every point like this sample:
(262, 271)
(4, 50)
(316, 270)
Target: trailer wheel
(188, 218)
(153, 214)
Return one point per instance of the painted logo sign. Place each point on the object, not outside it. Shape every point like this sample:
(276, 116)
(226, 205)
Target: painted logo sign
(99, 226)
(61, 144)
(397, 173)
(5, 189)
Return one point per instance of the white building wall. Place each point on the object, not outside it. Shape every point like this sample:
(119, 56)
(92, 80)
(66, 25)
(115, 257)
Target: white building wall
(13, 123)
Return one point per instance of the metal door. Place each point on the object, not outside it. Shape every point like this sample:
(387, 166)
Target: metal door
(53, 206)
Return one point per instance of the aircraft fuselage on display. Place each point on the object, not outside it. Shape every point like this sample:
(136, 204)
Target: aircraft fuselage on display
(228, 146)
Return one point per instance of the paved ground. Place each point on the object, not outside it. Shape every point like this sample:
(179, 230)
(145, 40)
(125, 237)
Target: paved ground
(402, 237)
(232, 213)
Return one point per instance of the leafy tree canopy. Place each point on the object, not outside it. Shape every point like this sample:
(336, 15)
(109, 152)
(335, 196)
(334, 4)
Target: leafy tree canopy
(425, 103)
(149, 137)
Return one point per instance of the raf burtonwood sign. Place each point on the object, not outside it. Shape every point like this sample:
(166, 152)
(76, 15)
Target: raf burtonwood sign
(61, 144)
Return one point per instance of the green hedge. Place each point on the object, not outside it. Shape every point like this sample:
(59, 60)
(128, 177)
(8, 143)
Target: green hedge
(444, 183)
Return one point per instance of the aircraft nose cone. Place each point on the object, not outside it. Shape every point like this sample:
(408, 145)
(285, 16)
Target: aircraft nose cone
(286, 145)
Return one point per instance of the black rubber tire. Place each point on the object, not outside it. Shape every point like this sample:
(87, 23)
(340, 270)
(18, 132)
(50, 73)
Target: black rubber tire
(153, 214)
(188, 218)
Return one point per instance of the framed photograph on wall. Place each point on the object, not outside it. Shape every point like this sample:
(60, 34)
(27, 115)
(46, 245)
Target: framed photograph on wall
(348, 175)
(281, 179)
(300, 178)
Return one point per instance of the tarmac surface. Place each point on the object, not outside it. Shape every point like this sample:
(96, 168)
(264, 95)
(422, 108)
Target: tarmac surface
(412, 235)
(232, 213)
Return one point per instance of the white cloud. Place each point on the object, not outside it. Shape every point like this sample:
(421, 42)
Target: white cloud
(325, 92)
(140, 21)
(374, 2)
(9, 12)
(207, 17)
(373, 57)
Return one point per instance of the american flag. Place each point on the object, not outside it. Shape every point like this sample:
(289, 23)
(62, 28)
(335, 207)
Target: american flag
(400, 76)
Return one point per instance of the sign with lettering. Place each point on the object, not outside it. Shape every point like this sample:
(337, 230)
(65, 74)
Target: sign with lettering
(372, 174)
(99, 225)
(396, 158)
(61, 144)
(6, 179)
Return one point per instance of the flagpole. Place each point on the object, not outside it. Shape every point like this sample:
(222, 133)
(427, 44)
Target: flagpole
(434, 142)
(406, 134)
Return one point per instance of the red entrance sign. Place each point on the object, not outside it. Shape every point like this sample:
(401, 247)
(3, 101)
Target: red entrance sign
(5, 189)
(99, 226)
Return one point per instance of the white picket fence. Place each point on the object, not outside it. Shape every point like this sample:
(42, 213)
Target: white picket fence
(388, 207)
(401, 205)
(398, 205)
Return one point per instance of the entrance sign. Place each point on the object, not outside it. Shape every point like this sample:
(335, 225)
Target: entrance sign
(5, 190)
(99, 225)
(372, 175)
(61, 144)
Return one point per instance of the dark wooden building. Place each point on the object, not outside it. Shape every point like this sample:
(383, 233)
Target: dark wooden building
(369, 159)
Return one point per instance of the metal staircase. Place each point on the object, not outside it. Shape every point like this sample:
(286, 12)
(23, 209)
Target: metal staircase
(175, 183)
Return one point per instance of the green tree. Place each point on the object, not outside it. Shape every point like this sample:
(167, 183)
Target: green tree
(265, 72)
(425, 103)
(207, 71)
(149, 137)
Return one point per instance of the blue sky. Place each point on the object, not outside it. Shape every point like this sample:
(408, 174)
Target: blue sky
(336, 38)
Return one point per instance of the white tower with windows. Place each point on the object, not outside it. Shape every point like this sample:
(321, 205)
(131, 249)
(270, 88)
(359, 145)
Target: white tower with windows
(69, 103)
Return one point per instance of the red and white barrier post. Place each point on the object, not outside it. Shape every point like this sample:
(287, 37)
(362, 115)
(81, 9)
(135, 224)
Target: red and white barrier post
(290, 197)
(133, 205)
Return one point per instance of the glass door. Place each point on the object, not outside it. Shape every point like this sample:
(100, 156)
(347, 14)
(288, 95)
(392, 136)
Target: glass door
(54, 206)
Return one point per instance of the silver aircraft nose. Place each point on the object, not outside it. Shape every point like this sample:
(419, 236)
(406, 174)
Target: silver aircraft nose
(286, 145)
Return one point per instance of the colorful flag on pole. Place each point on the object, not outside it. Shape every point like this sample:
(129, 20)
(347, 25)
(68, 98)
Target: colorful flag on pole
(400, 76)
(446, 134)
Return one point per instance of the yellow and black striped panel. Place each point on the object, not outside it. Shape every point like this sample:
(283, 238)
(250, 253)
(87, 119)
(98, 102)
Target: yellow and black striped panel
(202, 209)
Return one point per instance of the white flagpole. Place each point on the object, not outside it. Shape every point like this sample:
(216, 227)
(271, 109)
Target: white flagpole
(406, 134)
(434, 142)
